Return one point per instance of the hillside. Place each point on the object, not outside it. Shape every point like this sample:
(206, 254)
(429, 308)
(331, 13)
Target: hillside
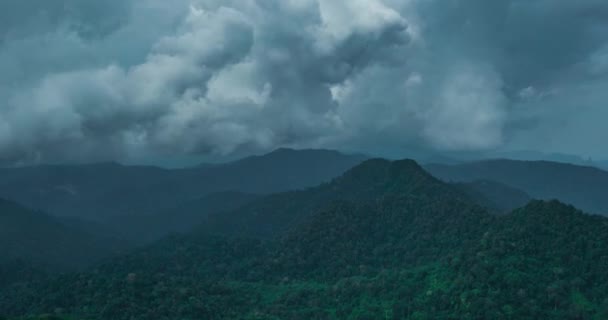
(396, 244)
(100, 190)
(495, 195)
(584, 187)
(405, 198)
(182, 218)
(45, 241)
(370, 181)
(278, 171)
(113, 194)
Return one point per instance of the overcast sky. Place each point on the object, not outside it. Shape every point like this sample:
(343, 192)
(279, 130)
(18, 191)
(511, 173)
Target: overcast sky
(90, 80)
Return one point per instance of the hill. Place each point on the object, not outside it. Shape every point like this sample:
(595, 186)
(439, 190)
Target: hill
(45, 241)
(494, 195)
(583, 187)
(276, 214)
(103, 192)
(395, 244)
(399, 195)
(182, 218)
(278, 171)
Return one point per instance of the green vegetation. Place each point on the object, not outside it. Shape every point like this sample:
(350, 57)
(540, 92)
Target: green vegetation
(43, 317)
(392, 243)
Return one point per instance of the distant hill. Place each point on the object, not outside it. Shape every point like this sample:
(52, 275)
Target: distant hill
(495, 195)
(102, 192)
(278, 171)
(44, 241)
(89, 191)
(183, 218)
(583, 187)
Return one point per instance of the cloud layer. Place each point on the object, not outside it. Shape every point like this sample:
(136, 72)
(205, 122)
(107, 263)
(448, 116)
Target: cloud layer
(88, 80)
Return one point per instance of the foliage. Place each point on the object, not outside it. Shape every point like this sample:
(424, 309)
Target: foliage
(43, 240)
(395, 244)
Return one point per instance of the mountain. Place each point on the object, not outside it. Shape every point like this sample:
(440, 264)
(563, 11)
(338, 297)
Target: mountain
(182, 218)
(530, 155)
(89, 191)
(102, 192)
(281, 170)
(42, 240)
(494, 195)
(394, 243)
(275, 214)
(397, 195)
(583, 187)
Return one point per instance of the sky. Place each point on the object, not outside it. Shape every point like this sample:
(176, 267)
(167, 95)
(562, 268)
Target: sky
(130, 80)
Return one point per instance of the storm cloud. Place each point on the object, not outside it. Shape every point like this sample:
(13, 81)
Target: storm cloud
(92, 80)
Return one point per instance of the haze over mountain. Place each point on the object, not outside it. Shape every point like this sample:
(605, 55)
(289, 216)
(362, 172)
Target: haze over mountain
(182, 218)
(584, 187)
(109, 192)
(45, 241)
(495, 195)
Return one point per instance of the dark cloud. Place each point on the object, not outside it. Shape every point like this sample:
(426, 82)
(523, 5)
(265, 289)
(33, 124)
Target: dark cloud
(101, 80)
(87, 18)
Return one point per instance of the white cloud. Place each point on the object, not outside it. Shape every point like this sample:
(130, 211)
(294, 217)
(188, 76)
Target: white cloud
(469, 112)
(216, 77)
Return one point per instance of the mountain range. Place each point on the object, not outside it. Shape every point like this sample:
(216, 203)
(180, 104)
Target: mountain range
(385, 240)
(271, 184)
(582, 186)
(33, 236)
(127, 199)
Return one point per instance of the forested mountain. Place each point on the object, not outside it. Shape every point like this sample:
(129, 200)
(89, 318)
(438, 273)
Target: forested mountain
(394, 243)
(45, 241)
(583, 187)
(275, 214)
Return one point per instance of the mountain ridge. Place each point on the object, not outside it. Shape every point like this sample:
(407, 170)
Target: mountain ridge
(103, 192)
(583, 186)
(372, 179)
(45, 241)
(391, 242)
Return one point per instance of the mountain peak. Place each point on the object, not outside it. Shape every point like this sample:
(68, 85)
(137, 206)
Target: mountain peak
(369, 182)
(408, 166)
(381, 176)
(378, 168)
